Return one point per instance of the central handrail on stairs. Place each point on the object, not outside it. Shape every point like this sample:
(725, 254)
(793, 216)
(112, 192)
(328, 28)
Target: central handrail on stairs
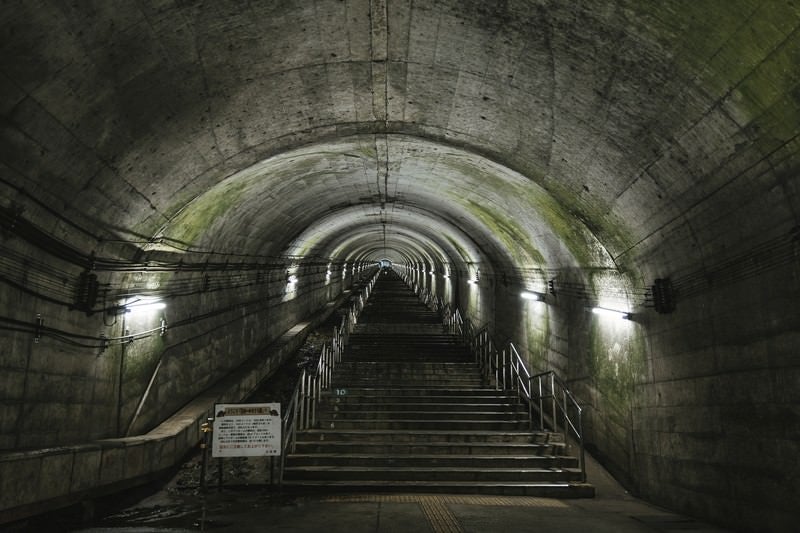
(545, 393)
(301, 411)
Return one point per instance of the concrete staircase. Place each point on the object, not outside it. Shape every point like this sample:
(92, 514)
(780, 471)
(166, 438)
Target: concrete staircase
(408, 412)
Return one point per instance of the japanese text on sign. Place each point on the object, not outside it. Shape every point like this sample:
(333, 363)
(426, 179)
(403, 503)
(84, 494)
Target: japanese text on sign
(246, 430)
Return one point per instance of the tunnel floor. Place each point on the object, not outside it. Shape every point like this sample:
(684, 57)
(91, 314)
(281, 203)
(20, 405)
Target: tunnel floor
(259, 509)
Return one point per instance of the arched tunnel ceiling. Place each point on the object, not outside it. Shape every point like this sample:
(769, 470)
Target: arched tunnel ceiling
(588, 128)
(371, 183)
(356, 231)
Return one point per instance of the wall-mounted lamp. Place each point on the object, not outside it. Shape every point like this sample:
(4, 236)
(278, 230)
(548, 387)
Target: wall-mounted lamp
(531, 295)
(144, 305)
(612, 313)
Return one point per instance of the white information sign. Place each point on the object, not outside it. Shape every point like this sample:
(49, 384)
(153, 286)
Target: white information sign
(246, 430)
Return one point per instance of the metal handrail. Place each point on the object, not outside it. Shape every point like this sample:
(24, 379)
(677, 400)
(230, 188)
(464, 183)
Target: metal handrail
(301, 411)
(508, 370)
(561, 400)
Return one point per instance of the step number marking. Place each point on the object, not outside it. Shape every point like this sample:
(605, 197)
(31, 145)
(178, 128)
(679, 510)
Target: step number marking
(340, 392)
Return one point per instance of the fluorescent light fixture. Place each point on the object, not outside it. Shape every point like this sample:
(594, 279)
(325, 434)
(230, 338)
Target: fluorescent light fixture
(144, 305)
(613, 313)
(531, 295)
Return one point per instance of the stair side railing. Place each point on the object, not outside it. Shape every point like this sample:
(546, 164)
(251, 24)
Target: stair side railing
(550, 403)
(301, 411)
(556, 402)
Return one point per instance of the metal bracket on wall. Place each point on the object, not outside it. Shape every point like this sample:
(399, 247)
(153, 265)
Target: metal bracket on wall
(37, 334)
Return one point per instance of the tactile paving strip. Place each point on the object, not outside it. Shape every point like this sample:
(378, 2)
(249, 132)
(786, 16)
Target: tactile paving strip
(517, 501)
(439, 516)
(434, 506)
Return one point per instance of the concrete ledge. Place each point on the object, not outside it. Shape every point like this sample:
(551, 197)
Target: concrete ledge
(36, 481)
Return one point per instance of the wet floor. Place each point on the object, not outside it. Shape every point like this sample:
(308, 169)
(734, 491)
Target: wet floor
(234, 511)
(252, 506)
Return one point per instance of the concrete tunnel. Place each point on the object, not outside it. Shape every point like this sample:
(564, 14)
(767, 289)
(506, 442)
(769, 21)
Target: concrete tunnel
(200, 155)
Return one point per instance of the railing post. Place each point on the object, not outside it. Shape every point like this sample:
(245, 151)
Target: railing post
(301, 400)
(553, 400)
(331, 363)
(580, 442)
(294, 424)
(307, 401)
(530, 406)
(496, 367)
(487, 355)
(487, 369)
(541, 404)
(313, 408)
(505, 351)
(508, 377)
(328, 366)
(496, 363)
(310, 414)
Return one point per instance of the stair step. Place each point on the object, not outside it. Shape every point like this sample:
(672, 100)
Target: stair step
(422, 461)
(478, 425)
(414, 405)
(409, 410)
(464, 392)
(467, 416)
(406, 341)
(429, 448)
(384, 334)
(396, 380)
(541, 490)
(410, 360)
(410, 370)
(419, 383)
(399, 328)
(420, 473)
(404, 366)
(428, 436)
(412, 394)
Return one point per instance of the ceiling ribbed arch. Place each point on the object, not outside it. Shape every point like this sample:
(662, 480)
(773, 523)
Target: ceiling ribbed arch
(201, 126)
(303, 202)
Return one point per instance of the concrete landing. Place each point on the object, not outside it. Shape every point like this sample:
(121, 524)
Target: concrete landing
(252, 510)
(401, 513)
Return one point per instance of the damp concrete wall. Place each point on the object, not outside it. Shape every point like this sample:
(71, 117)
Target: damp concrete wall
(714, 422)
(62, 386)
(47, 478)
